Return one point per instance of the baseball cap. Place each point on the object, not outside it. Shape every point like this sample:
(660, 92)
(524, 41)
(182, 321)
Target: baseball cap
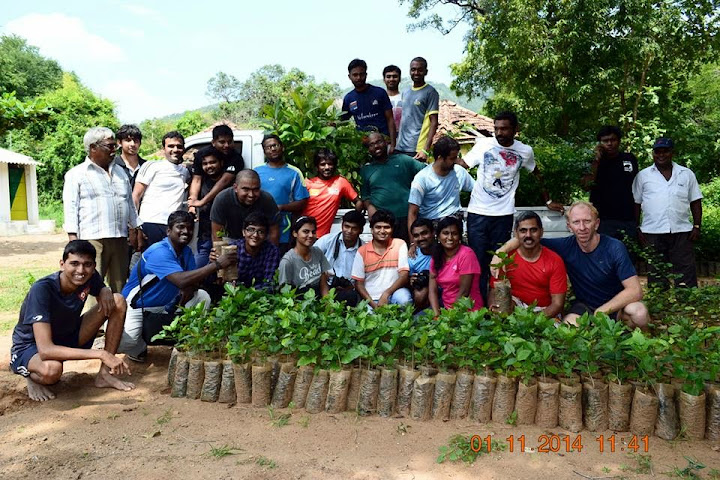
(663, 142)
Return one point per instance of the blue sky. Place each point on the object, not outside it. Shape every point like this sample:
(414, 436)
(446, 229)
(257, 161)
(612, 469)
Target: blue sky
(154, 58)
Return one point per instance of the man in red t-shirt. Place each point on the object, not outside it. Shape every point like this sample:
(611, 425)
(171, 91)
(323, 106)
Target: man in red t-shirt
(326, 190)
(538, 275)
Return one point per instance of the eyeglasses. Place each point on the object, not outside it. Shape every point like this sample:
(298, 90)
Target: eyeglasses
(107, 146)
(272, 146)
(260, 232)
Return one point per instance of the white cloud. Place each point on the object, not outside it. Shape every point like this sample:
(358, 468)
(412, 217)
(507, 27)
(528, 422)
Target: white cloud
(148, 13)
(130, 32)
(65, 39)
(140, 10)
(134, 103)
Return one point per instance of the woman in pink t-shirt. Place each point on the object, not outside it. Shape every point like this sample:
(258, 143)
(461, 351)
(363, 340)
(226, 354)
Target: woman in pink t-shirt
(454, 268)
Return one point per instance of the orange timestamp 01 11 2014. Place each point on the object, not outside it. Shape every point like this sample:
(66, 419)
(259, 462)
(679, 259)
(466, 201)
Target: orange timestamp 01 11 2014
(564, 443)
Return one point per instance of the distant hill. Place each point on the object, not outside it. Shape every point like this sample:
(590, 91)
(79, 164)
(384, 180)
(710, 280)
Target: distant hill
(476, 104)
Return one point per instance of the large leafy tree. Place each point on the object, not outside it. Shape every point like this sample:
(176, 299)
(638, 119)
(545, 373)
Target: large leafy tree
(57, 142)
(569, 64)
(243, 102)
(24, 70)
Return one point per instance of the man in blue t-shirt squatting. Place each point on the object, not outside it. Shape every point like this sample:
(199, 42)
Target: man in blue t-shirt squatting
(52, 330)
(601, 273)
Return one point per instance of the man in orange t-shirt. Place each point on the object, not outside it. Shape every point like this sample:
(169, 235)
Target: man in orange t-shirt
(326, 190)
(538, 274)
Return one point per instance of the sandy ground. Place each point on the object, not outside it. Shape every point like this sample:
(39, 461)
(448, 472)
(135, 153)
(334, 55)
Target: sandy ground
(145, 434)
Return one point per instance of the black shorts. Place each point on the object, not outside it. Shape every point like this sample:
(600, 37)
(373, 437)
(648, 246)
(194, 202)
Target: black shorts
(580, 308)
(20, 356)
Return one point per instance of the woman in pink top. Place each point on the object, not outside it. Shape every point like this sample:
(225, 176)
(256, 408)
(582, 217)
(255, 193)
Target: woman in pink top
(454, 268)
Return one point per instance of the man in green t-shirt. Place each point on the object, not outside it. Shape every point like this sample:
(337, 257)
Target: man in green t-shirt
(386, 182)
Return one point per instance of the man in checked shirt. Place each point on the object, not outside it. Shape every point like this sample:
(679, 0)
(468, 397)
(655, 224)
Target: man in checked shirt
(258, 259)
(98, 207)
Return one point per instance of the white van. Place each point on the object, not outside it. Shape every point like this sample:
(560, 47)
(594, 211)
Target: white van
(247, 142)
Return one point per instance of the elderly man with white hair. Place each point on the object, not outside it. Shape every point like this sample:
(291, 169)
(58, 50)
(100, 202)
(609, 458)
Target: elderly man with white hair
(98, 206)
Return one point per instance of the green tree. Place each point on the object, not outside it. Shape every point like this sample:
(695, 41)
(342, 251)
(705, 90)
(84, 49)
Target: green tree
(24, 70)
(573, 64)
(244, 102)
(57, 143)
(153, 130)
(15, 113)
(191, 123)
(309, 122)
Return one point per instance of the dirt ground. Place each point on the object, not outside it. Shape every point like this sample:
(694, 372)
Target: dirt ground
(145, 434)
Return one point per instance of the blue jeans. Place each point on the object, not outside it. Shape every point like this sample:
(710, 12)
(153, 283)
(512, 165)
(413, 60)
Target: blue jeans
(401, 296)
(202, 257)
(487, 233)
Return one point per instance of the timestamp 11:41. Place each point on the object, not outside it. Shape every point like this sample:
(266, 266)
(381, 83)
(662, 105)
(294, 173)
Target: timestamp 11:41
(634, 443)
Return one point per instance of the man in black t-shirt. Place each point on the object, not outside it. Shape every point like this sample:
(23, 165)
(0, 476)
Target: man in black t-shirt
(211, 171)
(234, 204)
(610, 184)
(232, 163)
(51, 329)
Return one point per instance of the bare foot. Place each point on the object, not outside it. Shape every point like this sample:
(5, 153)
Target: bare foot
(104, 380)
(37, 392)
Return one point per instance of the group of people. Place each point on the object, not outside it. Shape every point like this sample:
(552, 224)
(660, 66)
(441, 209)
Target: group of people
(132, 222)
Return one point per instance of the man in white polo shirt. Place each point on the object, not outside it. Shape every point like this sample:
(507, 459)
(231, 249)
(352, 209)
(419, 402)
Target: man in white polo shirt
(160, 190)
(667, 194)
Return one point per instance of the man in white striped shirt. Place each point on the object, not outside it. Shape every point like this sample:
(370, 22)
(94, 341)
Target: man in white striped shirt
(98, 206)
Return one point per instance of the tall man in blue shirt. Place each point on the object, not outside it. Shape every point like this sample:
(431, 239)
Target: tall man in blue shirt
(286, 185)
(369, 105)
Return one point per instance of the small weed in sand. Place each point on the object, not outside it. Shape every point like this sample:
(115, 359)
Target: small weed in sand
(224, 451)
(512, 418)
(278, 420)
(266, 462)
(403, 429)
(164, 418)
(304, 421)
(689, 472)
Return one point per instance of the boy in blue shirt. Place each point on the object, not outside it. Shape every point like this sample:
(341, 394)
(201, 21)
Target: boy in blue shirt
(51, 328)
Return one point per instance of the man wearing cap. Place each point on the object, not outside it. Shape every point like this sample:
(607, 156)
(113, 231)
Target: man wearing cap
(667, 194)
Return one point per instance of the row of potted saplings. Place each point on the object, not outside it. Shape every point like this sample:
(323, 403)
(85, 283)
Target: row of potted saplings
(423, 394)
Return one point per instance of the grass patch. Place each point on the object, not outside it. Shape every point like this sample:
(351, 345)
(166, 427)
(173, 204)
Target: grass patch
(266, 462)
(278, 420)
(52, 211)
(14, 285)
(224, 451)
(165, 417)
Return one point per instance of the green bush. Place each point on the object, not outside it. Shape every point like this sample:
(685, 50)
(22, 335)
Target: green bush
(248, 324)
(309, 123)
(706, 247)
(562, 164)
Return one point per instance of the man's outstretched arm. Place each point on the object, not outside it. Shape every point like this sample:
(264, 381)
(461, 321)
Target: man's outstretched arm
(631, 292)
